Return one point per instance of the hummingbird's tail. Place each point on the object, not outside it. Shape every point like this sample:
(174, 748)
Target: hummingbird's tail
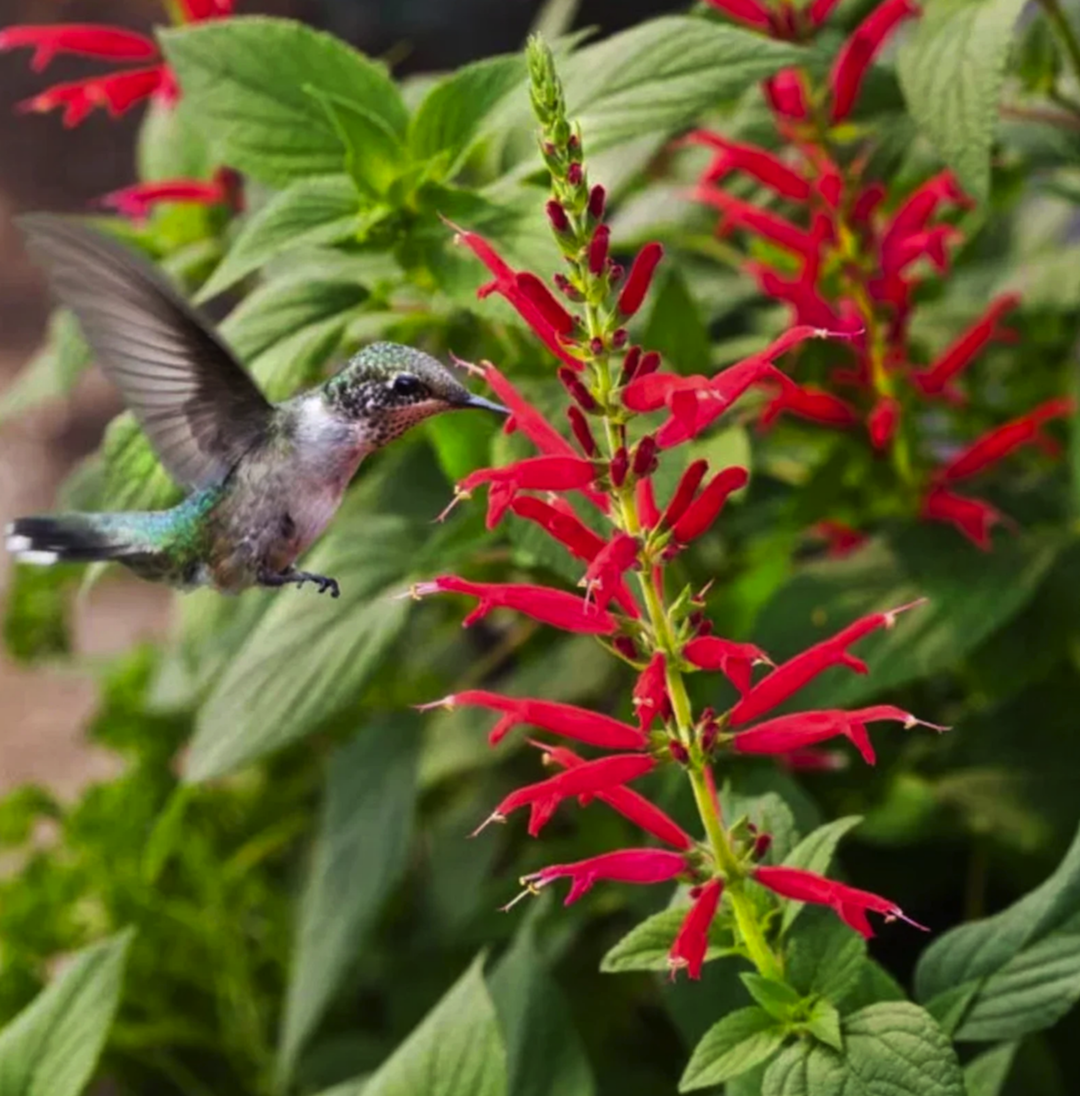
(80, 538)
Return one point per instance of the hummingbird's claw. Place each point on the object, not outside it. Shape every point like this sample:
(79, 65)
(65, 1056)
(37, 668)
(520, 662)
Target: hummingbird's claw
(300, 577)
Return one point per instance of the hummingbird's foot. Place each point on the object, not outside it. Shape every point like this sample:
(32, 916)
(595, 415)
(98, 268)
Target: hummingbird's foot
(289, 576)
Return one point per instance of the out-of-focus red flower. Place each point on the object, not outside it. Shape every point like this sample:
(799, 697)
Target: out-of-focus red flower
(734, 660)
(644, 866)
(118, 93)
(770, 226)
(532, 300)
(80, 39)
(809, 403)
(629, 803)
(554, 607)
(841, 538)
(972, 517)
(794, 732)
(812, 760)
(588, 779)
(849, 903)
(938, 377)
(138, 201)
(787, 95)
(565, 720)
(882, 421)
(650, 692)
(692, 942)
(858, 51)
(759, 164)
(748, 12)
(792, 675)
(997, 444)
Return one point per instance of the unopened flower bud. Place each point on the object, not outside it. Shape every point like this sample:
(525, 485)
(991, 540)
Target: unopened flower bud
(678, 751)
(574, 173)
(630, 365)
(596, 345)
(645, 459)
(701, 624)
(566, 288)
(639, 279)
(710, 730)
(557, 216)
(650, 363)
(762, 844)
(578, 392)
(597, 199)
(580, 428)
(615, 273)
(598, 250)
(625, 646)
(620, 465)
(619, 338)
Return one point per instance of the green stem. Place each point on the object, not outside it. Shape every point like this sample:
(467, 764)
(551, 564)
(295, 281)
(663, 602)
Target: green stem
(1060, 22)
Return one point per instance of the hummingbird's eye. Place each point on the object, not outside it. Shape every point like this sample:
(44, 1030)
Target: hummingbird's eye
(406, 384)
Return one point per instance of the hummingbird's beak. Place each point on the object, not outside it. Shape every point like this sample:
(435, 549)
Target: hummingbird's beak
(485, 405)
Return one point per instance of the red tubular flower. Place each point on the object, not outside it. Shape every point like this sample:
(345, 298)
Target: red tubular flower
(858, 51)
(531, 474)
(809, 403)
(820, 10)
(684, 492)
(646, 503)
(936, 379)
(623, 866)
(787, 95)
(650, 692)
(705, 509)
(849, 903)
(81, 39)
(629, 803)
(554, 607)
(794, 732)
(138, 201)
(735, 660)
(972, 517)
(692, 942)
(566, 527)
(792, 675)
(604, 575)
(588, 779)
(639, 279)
(118, 92)
(527, 418)
(882, 421)
(749, 12)
(999, 443)
(198, 10)
(566, 720)
(523, 292)
(755, 162)
(740, 214)
(841, 538)
(914, 215)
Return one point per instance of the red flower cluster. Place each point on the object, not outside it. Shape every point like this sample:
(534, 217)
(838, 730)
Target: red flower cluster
(604, 479)
(116, 91)
(854, 262)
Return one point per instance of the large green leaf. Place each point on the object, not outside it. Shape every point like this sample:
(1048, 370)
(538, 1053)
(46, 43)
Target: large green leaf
(360, 852)
(250, 81)
(1013, 973)
(737, 1043)
(544, 1052)
(952, 70)
(309, 656)
(456, 1051)
(987, 1074)
(965, 604)
(52, 1046)
(824, 956)
(310, 213)
(374, 153)
(663, 74)
(891, 1049)
(453, 111)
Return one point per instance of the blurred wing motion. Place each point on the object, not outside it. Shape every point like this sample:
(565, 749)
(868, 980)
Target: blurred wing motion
(199, 408)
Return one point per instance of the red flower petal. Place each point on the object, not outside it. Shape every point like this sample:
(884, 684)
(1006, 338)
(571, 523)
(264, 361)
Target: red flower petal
(882, 421)
(117, 92)
(81, 39)
(623, 866)
(749, 12)
(639, 279)
(692, 942)
(531, 474)
(139, 200)
(809, 403)
(755, 162)
(650, 692)
(705, 509)
(972, 517)
(740, 214)
(734, 660)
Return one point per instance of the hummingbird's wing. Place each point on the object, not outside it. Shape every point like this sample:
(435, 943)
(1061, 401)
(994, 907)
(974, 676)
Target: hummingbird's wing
(199, 408)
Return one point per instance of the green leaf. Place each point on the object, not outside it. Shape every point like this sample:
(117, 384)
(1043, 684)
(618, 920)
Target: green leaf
(740, 1041)
(987, 1074)
(824, 956)
(824, 1025)
(676, 328)
(361, 850)
(778, 999)
(53, 370)
(891, 1049)
(310, 213)
(452, 113)
(308, 657)
(36, 612)
(646, 946)
(456, 1051)
(52, 1046)
(248, 81)
(661, 75)
(544, 1051)
(374, 153)
(172, 145)
(134, 480)
(815, 853)
(952, 71)
(1023, 963)
(965, 605)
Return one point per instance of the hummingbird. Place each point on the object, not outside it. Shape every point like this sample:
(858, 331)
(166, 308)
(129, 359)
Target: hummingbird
(263, 479)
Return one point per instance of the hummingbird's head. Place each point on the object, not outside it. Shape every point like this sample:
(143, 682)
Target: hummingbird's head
(389, 387)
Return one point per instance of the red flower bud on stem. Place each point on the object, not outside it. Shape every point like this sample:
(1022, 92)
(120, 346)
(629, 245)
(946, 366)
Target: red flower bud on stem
(639, 279)
(598, 250)
(574, 385)
(705, 509)
(692, 942)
